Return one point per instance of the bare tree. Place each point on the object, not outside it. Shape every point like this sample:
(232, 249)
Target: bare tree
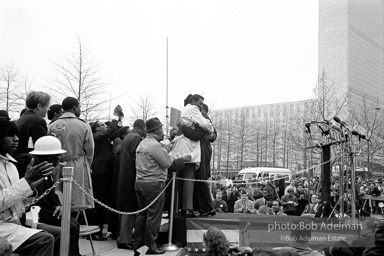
(242, 136)
(369, 121)
(9, 84)
(327, 102)
(227, 140)
(78, 75)
(25, 87)
(144, 108)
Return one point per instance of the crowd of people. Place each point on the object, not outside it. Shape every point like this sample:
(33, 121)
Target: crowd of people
(301, 196)
(259, 198)
(124, 168)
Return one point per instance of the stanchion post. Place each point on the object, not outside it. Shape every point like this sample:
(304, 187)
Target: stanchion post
(171, 247)
(66, 210)
(341, 180)
(353, 189)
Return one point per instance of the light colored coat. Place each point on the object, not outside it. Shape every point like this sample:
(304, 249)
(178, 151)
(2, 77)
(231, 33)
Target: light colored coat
(246, 206)
(12, 195)
(76, 138)
(191, 115)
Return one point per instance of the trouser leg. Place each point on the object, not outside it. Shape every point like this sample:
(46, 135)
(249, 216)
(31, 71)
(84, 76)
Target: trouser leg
(154, 218)
(73, 231)
(55, 232)
(74, 237)
(41, 243)
(127, 223)
(101, 185)
(149, 230)
(189, 173)
(140, 218)
(202, 196)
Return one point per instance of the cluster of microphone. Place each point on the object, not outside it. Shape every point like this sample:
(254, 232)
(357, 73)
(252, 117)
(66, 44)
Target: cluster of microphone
(331, 126)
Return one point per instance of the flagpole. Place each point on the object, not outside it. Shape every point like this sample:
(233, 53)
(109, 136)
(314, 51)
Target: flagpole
(166, 94)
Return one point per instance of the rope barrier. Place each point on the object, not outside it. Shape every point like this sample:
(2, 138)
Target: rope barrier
(119, 212)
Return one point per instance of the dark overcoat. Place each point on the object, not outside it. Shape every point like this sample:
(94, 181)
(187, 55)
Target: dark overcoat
(29, 125)
(127, 200)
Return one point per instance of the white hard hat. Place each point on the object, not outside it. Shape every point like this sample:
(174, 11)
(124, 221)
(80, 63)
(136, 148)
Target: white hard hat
(47, 145)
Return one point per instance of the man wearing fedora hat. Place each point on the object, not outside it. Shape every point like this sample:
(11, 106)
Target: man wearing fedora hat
(152, 162)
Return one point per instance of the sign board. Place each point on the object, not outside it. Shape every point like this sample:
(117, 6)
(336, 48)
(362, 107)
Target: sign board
(175, 115)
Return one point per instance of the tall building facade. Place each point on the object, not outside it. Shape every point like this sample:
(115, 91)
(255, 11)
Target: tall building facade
(351, 47)
(260, 135)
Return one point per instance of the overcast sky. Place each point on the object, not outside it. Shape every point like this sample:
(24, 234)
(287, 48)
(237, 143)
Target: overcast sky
(234, 53)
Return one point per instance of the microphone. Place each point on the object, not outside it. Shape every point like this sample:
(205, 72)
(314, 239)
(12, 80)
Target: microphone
(364, 137)
(308, 126)
(339, 121)
(336, 119)
(356, 133)
(335, 128)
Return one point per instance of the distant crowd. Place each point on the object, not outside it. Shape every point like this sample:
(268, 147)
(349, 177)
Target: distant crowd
(299, 197)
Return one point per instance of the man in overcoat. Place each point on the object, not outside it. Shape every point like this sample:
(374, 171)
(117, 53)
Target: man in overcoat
(76, 138)
(127, 201)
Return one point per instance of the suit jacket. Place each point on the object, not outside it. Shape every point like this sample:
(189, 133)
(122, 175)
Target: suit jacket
(220, 206)
(29, 125)
(247, 207)
(230, 200)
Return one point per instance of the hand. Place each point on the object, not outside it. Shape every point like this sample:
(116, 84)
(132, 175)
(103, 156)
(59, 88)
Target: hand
(118, 111)
(57, 212)
(179, 123)
(187, 158)
(34, 174)
(168, 147)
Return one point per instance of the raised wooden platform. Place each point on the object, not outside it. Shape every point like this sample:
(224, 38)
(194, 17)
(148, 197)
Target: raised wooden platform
(263, 230)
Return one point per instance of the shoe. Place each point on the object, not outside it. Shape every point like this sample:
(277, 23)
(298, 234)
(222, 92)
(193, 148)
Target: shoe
(125, 246)
(98, 238)
(208, 213)
(155, 251)
(191, 214)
